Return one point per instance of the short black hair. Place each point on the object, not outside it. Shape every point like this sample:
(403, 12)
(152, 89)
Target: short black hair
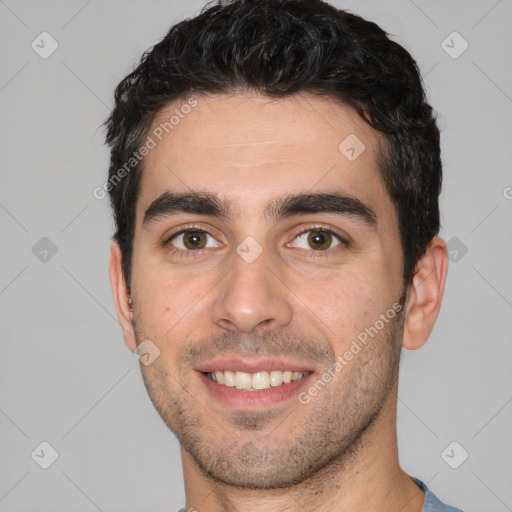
(279, 48)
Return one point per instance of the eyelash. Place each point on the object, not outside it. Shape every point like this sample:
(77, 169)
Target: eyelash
(314, 254)
(311, 253)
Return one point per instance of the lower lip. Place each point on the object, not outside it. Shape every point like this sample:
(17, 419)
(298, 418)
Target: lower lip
(251, 400)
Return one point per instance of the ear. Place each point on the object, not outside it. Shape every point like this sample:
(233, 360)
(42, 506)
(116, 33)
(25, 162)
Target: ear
(425, 294)
(121, 296)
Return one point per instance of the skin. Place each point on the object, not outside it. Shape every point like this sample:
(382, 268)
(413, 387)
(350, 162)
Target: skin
(338, 451)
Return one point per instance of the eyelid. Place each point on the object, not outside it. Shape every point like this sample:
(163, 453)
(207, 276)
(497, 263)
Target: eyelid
(176, 236)
(344, 239)
(166, 238)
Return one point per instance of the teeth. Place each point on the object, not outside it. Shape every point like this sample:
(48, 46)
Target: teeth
(255, 381)
(229, 379)
(276, 378)
(261, 380)
(242, 380)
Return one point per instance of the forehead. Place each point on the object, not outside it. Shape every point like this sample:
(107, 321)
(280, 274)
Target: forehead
(250, 149)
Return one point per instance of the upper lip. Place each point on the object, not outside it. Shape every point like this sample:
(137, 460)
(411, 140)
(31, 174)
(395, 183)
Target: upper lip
(252, 365)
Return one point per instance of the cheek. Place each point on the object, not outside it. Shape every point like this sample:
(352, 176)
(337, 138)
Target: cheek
(345, 304)
(168, 302)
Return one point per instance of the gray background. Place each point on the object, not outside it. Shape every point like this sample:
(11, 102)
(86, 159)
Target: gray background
(67, 377)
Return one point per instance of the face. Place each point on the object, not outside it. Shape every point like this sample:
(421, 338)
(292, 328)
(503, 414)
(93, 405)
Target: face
(264, 252)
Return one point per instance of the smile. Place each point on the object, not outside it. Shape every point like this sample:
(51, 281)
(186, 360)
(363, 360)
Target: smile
(257, 381)
(245, 383)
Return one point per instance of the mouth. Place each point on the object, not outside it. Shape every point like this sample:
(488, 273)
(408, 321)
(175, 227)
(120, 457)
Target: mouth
(245, 384)
(255, 381)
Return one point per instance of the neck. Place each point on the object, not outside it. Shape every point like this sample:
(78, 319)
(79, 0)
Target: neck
(367, 478)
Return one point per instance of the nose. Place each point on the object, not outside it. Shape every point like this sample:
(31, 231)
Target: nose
(252, 297)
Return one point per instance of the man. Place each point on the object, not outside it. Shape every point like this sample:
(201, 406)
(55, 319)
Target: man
(275, 173)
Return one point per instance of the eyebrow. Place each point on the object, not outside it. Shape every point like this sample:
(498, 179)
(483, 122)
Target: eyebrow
(322, 202)
(170, 203)
(205, 203)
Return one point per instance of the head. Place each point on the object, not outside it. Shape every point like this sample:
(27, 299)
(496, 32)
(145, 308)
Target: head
(279, 200)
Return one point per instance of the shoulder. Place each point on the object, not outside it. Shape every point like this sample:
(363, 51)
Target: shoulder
(432, 502)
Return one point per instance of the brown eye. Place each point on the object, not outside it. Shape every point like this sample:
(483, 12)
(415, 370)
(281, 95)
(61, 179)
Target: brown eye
(194, 240)
(191, 240)
(320, 240)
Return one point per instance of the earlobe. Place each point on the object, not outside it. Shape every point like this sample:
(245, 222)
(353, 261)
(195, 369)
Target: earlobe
(425, 294)
(122, 299)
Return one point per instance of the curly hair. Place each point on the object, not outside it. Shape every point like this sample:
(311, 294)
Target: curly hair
(279, 48)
